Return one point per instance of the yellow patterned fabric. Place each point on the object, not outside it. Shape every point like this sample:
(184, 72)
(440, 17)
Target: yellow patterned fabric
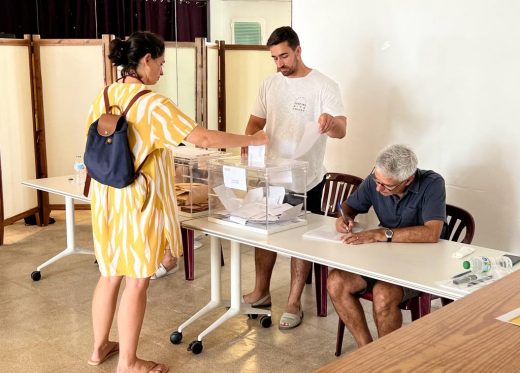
(132, 226)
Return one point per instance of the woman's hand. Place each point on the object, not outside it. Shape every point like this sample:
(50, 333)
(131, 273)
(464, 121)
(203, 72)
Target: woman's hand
(259, 138)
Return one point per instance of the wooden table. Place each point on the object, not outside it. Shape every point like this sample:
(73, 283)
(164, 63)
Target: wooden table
(461, 337)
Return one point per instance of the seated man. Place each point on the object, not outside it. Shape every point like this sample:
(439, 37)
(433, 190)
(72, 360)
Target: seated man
(411, 207)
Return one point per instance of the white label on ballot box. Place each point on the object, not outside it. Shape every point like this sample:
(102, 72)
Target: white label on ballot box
(235, 177)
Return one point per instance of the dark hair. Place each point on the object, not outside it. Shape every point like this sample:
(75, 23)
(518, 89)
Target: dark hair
(285, 33)
(127, 53)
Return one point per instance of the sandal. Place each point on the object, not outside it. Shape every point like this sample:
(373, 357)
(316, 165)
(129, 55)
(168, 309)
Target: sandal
(264, 302)
(290, 320)
(162, 272)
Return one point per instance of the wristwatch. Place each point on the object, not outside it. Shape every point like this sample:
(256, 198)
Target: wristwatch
(389, 234)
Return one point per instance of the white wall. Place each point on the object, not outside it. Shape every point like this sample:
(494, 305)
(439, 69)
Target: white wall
(441, 76)
(275, 14)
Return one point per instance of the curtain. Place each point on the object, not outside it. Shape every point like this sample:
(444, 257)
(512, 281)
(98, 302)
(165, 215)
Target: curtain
(17, 18)
(191, 20)
(69, 19)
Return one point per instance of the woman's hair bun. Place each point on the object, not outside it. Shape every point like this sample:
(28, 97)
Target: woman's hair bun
(119, 52)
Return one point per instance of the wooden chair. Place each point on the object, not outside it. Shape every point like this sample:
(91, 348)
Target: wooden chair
(337, 189)
(458, 221)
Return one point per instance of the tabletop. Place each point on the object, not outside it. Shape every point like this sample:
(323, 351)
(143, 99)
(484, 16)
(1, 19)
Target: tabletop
(464, 336)
(415, 265)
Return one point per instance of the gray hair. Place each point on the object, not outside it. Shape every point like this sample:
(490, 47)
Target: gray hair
(397, 162)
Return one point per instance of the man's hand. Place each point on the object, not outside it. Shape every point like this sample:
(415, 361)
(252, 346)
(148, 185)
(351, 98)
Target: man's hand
(325, 122)
(360, 237)
(344, 227)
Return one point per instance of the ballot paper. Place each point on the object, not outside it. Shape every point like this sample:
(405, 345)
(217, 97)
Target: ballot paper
(327, 232)
(310, 136)
(227, 197)
(256, 155)
(255, 207)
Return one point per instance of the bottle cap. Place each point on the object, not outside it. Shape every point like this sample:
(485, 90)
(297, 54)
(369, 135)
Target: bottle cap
(466, 264)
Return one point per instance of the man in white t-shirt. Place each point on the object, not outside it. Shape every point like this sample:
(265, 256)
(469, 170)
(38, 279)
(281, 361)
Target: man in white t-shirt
(293, 98)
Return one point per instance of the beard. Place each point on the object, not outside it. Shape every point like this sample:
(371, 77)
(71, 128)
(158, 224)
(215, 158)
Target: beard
(286, 70)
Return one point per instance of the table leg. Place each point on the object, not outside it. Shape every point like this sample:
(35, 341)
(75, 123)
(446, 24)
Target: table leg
(189, 260)
(216, 297)
(237, 307)
(71, 245)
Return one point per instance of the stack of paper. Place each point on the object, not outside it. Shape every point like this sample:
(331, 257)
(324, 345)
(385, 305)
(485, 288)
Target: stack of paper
(255, 207)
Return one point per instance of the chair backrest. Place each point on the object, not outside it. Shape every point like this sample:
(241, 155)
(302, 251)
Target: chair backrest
(337, 189)
(459, 220)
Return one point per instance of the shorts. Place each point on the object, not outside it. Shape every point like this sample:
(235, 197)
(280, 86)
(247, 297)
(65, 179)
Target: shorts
(407, 293)
(313, 198)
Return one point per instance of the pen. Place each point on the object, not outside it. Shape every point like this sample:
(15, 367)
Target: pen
(345, 220)
(461, 274)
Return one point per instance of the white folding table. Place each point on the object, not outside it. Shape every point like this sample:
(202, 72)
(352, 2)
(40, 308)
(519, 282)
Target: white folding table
(70, 190)
(418, 266)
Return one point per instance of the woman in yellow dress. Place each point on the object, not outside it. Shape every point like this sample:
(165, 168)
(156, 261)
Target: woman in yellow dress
(134, 225)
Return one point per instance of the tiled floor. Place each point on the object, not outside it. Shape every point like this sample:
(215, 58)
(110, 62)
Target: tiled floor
(46, 327)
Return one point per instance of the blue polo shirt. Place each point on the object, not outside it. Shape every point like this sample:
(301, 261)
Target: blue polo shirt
(423, 200)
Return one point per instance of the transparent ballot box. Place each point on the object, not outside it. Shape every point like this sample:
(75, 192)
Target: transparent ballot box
(191, 179)
(266, 198)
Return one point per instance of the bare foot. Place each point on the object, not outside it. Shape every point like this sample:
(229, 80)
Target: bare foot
(143, 366)
(293, 308)
(168, 261)
(103, 353)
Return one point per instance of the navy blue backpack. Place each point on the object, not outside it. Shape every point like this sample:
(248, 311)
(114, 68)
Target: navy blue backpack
(108, 157)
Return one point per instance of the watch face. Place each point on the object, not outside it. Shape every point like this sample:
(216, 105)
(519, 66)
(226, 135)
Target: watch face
(389, 233)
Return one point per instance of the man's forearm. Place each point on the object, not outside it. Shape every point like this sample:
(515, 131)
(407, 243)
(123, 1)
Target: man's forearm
(420, 233)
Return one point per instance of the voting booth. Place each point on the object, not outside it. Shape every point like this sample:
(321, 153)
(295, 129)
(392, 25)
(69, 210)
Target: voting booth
(267, 196)
(191, 179)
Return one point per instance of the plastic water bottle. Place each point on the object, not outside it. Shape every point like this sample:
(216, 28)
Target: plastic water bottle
(79, 168)
(486, 264)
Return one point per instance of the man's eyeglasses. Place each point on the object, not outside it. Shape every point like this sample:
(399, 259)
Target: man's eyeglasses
(387, 187)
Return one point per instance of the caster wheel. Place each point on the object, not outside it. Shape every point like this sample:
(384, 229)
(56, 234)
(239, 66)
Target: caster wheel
(195, 347)
(265, 321)
(176, 337)
(36, 275)
(252, 316)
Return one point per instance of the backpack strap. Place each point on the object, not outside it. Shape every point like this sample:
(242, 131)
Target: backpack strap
(134, 99)
(107, 103)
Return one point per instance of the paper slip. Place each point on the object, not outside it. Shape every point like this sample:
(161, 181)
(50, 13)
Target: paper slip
(310, 136)
(291, 213)
(512, 317)
(235, 177)
(327, 233)
(256, 155)
(227, 197)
